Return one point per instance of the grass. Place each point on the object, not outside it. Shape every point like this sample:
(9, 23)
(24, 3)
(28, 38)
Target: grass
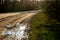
(43, 28)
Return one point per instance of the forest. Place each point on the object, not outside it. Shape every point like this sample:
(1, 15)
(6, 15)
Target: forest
(17, 6)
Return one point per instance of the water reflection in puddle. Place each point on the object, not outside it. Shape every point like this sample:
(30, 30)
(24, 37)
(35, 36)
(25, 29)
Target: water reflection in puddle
(18, 32)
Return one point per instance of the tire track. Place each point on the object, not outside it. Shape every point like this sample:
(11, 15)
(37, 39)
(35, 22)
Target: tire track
(10, 19)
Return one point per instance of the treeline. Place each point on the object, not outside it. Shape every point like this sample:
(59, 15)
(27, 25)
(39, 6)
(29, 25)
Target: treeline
(14, 6)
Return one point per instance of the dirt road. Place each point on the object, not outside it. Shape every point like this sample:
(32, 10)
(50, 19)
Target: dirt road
(10, 20)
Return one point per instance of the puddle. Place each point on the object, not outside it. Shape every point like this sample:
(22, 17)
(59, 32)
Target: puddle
(17, 33)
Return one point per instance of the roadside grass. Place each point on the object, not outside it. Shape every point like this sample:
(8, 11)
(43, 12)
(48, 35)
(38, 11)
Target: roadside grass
(43, 28)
